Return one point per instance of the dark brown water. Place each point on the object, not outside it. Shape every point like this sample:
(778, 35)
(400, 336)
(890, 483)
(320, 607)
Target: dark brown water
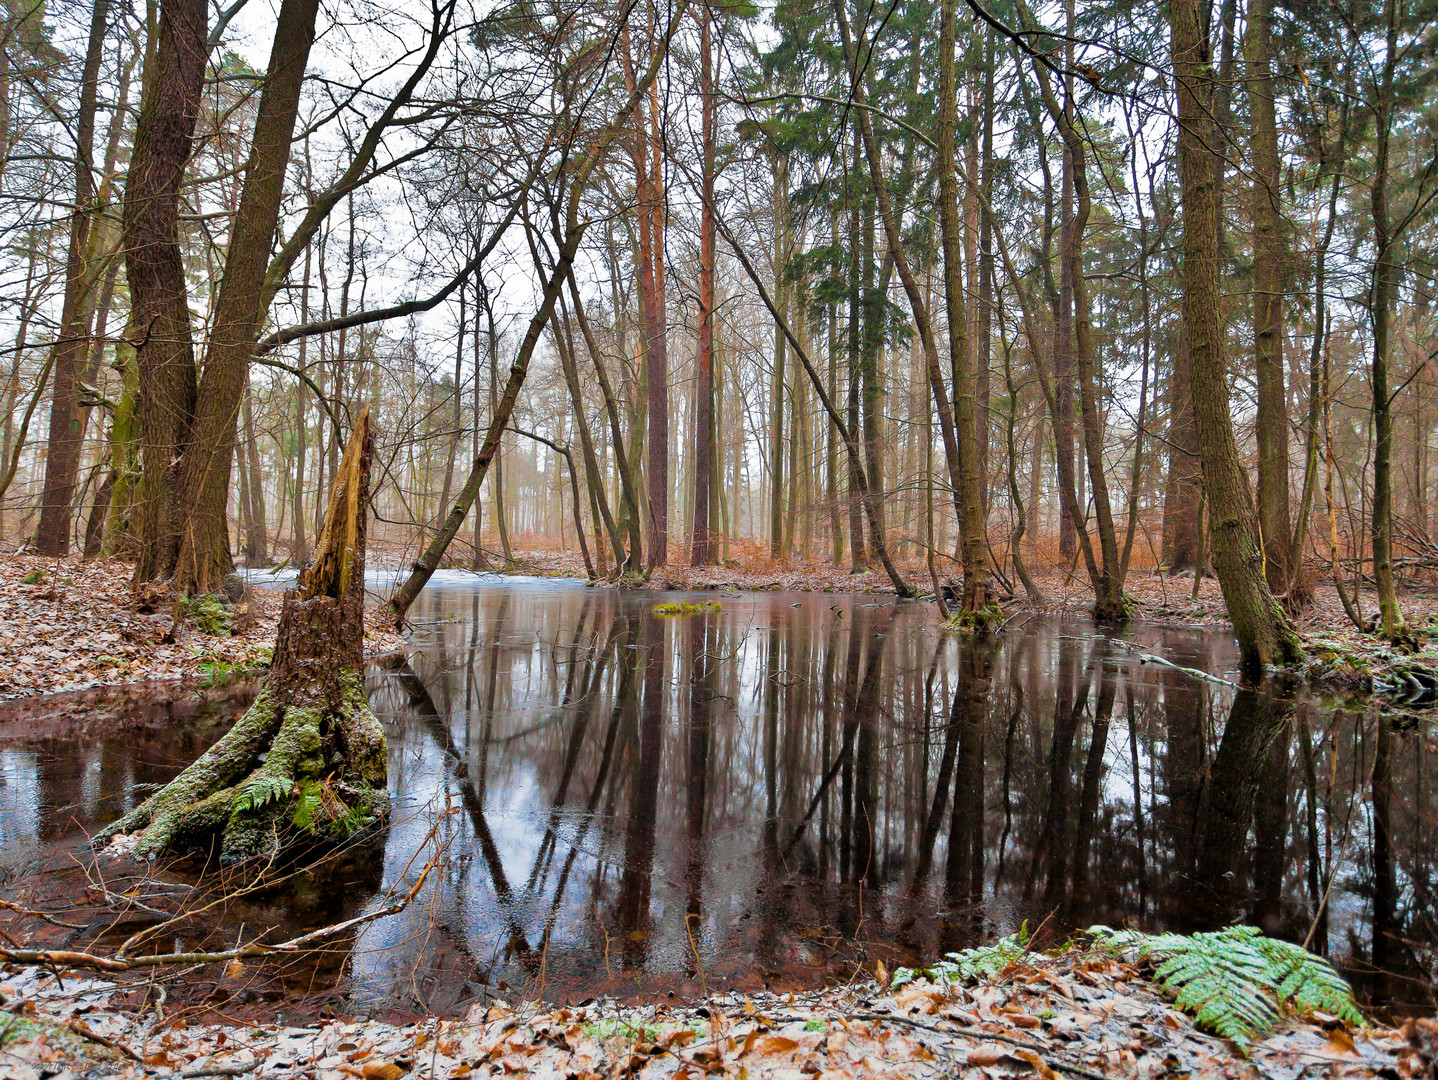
(799, 785)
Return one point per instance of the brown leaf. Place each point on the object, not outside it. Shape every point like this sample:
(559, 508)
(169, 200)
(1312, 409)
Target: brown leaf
(1341, 1041)
(775, 1044)
(1040, 1066)
(983, 1056)
(381, 1070)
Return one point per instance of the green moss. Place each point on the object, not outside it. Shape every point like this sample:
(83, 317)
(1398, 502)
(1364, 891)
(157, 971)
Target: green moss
(686, 608)
(294, 790)
(210, 613)
(980, 618)
(34, 577)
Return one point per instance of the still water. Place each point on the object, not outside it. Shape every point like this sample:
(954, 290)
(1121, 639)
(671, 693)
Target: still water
(799, 785)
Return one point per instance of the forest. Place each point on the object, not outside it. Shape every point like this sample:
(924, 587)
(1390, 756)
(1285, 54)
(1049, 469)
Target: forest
(709, 537)
(960, 293)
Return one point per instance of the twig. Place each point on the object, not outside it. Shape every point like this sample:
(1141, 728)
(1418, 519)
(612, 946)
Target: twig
(10, 906)
(255, 948)
(219, 1070)
(82, 1029)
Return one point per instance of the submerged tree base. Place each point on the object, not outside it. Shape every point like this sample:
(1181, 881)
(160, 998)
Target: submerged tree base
(307, 763)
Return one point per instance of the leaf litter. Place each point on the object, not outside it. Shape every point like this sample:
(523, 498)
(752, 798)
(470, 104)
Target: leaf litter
(69, 625)
(1077, 1015)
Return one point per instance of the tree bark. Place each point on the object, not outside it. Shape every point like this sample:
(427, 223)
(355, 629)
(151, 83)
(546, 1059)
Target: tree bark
(701, 551)
(971, 519)
(201, 557)
(1264, 633)
(1385, 274)
(154, 270)
(1269, 285)
(776, 382)
(1183, 488)
(257, 550)
(62, 458)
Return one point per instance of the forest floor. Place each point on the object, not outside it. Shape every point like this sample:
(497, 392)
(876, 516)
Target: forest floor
(69, 625)
(1077, 1015)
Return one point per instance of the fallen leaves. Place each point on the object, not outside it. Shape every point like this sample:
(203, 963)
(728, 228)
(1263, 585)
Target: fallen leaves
(69, 625)
(1111, 1024)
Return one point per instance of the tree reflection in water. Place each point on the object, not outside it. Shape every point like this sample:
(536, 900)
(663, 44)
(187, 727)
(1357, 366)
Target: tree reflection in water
(799, 785)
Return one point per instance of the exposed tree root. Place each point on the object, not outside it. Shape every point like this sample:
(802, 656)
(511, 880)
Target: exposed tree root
(307, 762)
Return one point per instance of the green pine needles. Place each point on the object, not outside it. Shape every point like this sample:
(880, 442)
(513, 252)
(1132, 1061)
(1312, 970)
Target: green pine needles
(1237, 982)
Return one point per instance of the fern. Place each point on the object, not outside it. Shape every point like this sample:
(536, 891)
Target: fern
(1236, 981)
(263, 790)
(985, 962)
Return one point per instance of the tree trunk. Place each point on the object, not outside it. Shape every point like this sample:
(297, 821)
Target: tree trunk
(776, 384)
(307, 762)
(1269, 283)
(649, 190)
(971, 513)
(700, 553)
(1106, 576)
(1183, 488)
(62, 458)
(917, 304)
(257, 549)
(1264, 633)
(429, 561)
(872, 390)
(628, 494)
(299, 546)
(1063, 364)
(154, 270)
(203, 556)
(1385, 275)
(593, 476)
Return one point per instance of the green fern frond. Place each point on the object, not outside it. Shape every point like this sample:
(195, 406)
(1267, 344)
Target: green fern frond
(263, 790)
(983, 963)
(1237, 982)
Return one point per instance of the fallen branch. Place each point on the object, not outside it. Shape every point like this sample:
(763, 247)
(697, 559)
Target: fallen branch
(63, 959)
(1153, 658)
(85, 1031)
(43, 916)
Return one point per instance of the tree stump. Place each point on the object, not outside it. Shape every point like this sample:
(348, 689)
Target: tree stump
(307, 763)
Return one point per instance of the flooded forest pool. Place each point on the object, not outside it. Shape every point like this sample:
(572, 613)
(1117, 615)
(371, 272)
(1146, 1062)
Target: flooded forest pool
(785, 792)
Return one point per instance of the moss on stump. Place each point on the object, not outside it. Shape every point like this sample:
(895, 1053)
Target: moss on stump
(306, 763)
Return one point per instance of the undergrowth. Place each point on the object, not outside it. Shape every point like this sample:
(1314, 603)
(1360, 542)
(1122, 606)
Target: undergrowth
(985, 962)
(212, 616)
(1237, 982)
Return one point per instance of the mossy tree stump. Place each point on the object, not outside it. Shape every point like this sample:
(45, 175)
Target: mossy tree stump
(306, 763)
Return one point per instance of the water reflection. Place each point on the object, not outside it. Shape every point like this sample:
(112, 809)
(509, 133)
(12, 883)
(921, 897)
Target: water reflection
(799, 785)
